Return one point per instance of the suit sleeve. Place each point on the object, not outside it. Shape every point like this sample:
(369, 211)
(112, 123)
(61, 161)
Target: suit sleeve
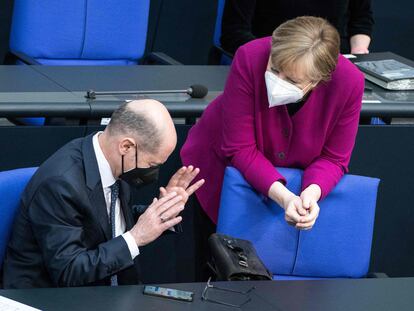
(56, 213)
(360, 20)
(236, 27)
(327, 169)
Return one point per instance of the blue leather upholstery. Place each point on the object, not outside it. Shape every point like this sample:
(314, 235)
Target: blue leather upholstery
(225, 60)
(219, 18)
(294, 278)
(80, 32)
(339, 245)
(86, 62)
(12, 184)
(377, 121)
(31, 121)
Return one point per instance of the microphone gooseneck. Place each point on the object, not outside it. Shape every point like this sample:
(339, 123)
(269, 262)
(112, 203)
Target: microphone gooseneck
(195, 91)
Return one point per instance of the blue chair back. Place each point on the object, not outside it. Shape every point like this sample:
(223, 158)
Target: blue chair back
(12, 184)
(31, 121)
(225, 60)
(339, 245)
(377, 121)
(80, 32)
(219, 17)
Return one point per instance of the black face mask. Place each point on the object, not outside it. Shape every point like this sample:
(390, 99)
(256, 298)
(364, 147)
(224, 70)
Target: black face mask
(139, 176)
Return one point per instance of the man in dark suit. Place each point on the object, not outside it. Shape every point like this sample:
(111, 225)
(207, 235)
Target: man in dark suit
(75, 226)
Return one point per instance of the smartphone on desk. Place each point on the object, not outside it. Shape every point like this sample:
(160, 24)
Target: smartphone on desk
(168, 293)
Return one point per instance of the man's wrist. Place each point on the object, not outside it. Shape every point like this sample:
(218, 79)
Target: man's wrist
(131, 243)
(136, 237)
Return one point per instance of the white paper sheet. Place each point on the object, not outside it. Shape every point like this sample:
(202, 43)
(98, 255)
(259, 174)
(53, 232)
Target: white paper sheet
(7, 304)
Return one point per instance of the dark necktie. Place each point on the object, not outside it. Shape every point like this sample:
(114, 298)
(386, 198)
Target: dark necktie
(114, 197)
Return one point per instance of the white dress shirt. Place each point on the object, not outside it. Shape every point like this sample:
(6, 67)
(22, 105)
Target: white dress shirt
(107, 181)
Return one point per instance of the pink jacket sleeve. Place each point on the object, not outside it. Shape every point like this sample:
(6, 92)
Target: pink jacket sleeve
(327, 169)
(238, 117)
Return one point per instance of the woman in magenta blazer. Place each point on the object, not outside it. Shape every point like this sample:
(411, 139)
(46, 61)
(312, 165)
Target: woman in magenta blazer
(290, 100)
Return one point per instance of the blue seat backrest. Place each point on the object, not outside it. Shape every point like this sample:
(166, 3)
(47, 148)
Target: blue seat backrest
(12, 184)
(225, 59)
(339, 245)
(219, 17)
(31, 121)
(80, 32)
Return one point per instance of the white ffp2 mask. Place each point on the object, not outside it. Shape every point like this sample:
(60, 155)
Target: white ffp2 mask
(281, 92)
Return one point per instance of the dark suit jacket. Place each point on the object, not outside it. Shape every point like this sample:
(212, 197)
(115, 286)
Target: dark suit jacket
(62, 235)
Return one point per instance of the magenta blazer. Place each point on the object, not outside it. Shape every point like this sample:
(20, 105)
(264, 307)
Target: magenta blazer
(239, 129)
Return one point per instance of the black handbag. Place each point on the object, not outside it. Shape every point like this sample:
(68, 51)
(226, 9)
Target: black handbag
(235, 259)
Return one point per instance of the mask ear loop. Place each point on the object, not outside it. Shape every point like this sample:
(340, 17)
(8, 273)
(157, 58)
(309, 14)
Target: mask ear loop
(136, 159)
(122, 163)
(312, 84)
(136, 156)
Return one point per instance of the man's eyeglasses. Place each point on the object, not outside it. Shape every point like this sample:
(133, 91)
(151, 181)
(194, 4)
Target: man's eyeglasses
(210, 287)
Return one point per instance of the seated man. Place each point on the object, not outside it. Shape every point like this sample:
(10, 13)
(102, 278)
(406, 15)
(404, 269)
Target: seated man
(75, 226)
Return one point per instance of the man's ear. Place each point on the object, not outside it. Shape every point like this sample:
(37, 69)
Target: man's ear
(126, 144)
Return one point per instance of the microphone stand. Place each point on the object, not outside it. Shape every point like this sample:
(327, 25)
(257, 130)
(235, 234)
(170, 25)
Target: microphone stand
(91, 94)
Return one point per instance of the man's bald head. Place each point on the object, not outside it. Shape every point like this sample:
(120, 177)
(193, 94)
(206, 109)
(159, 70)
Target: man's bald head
(148, 121)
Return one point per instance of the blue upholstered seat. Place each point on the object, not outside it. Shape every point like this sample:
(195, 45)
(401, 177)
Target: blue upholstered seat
(12, 184)
(224, 58)
(338, 246)
(80, 32)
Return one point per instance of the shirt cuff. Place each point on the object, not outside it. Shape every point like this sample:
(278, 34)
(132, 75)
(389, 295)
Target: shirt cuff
(132, 245)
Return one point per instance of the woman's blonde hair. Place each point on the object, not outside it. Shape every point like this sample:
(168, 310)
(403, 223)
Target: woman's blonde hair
(307, 41)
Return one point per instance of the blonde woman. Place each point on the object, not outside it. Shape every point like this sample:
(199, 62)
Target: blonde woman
(291, 100)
